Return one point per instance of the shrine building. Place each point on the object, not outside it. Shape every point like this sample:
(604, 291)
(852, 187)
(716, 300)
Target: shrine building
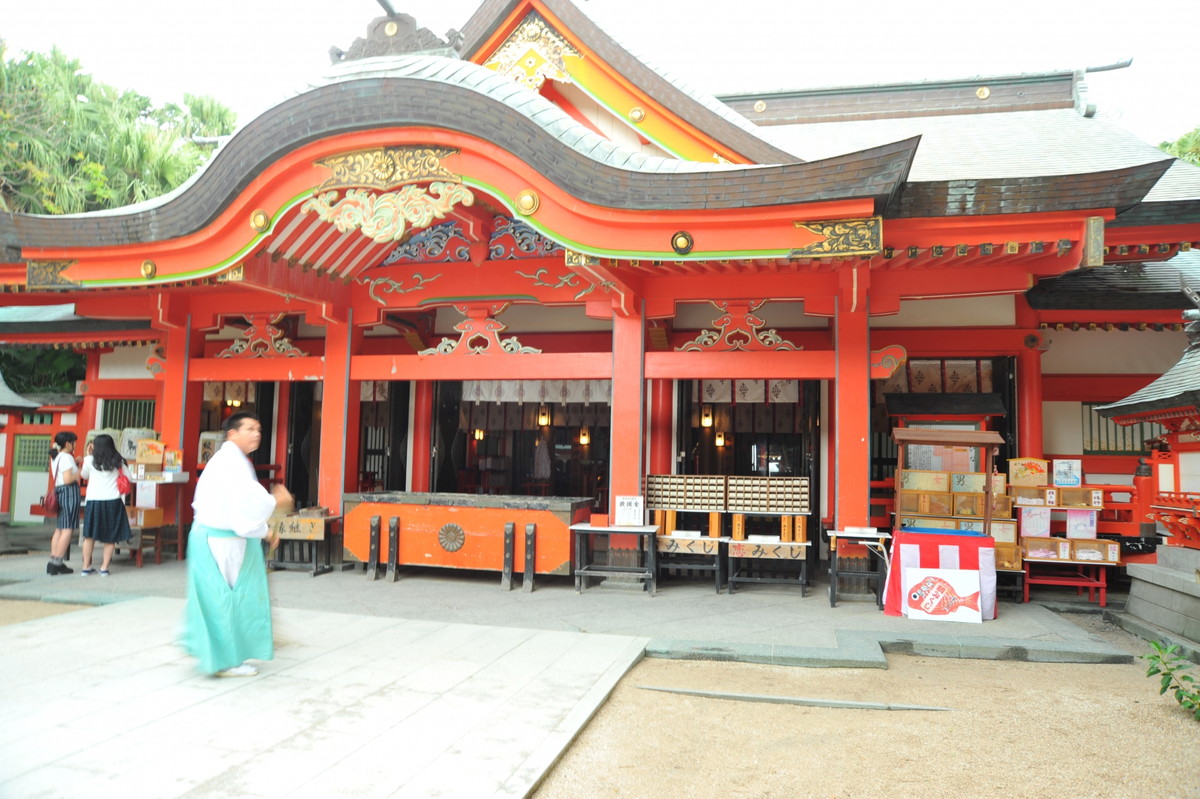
(522, 262)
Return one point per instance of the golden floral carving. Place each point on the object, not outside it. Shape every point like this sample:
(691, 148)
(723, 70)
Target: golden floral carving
(387, 217)
(532, 54)
(386, 167)
(842, 237)
(48, 275)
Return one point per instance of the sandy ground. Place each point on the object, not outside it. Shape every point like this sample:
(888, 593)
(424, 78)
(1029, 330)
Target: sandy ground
(1011, 730)
(1014, 730)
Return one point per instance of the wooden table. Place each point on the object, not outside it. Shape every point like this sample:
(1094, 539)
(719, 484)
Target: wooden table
(694, 552)
(1089, 574)
(647, 572)
(876, 544)
(757, 552)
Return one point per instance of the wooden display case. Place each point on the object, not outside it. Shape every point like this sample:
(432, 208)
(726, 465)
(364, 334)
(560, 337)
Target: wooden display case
(929, 503)
(975, 483)
(1008, 557)
(986, 441)
(1081, 497)
(920, 480)
(1033, 495)
(1094, 550)
(1045, 548)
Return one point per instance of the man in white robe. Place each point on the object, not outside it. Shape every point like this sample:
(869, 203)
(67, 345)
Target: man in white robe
(228, 616)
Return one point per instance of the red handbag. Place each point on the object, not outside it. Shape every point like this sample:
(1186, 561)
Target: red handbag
(124, 484)
(49, 504)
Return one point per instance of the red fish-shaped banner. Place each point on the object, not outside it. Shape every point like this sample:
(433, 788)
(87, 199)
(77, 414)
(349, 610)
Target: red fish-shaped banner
(935, 596)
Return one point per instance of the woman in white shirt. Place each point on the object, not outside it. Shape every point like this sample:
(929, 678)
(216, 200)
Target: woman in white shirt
(66, 488)
(104, 520)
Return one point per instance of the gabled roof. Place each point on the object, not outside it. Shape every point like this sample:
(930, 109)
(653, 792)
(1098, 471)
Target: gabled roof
(701, 111)
(11, 399)
(1174, 395)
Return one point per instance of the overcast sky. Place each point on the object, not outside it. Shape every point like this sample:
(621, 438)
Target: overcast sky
(251, 54)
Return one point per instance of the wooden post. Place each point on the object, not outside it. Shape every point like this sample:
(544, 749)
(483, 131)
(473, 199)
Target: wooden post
(530, 557)
(393, 558)
(714, 524)
(506, 569)
(373, 550)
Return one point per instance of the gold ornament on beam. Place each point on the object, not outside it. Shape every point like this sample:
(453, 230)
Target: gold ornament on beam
(533, 53)
(386, 167)
(528, 202)
(842, 237)
(260, 220)
(387, 217)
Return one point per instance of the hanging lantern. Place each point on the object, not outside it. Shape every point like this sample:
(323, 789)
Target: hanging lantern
(706, 416)
(543, 416)
(479, 434)
(584, 437)
(720, 440)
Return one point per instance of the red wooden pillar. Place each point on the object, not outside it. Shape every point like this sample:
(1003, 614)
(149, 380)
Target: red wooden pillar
(852, 449)
(421, 436)
(1030, 443)
(628, 406)
(283, 414)
(89, 416)
(178, 410)
(662, 426)
(339, 416)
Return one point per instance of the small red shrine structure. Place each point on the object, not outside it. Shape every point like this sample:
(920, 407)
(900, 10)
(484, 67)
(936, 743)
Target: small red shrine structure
(524, 262)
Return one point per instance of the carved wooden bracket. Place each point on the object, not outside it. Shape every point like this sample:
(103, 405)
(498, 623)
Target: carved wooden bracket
(262, 340)
(739, 328)
(886, 361)
(480, 334)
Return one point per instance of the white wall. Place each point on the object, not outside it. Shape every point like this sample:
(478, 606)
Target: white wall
(126, 363)
(963, 312)
(1062, 428)
(1116, 352)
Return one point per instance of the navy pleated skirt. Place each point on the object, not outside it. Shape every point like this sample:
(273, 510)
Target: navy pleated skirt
(105, 521)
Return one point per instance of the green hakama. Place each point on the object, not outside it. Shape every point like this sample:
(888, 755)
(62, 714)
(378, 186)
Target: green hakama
(223, 626)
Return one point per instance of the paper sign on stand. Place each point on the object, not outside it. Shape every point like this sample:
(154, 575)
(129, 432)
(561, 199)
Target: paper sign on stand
(631, 511)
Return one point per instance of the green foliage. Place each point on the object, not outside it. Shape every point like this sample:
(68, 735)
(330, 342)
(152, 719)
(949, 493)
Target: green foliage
(1166, 663)
(69, 144)
(1185, 148)
(41, 370)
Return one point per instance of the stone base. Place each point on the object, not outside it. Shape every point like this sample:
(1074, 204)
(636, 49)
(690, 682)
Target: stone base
(1164, 598)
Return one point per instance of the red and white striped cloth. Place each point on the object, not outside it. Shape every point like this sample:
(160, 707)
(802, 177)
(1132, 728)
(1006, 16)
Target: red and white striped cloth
(912, 550)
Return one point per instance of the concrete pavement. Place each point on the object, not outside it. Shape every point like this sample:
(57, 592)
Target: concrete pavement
(440, 684)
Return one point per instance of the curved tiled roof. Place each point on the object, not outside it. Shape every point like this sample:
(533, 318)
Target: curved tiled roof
(1134, 285)
(459, 96)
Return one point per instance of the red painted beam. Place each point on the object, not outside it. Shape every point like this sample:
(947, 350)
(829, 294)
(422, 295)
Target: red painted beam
(802, 365)
(576, 366)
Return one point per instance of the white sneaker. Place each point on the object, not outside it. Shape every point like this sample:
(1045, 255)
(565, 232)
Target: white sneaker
(238, 671)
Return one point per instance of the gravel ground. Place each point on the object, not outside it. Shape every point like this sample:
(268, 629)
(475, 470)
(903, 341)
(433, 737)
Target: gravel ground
(1013, 729)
